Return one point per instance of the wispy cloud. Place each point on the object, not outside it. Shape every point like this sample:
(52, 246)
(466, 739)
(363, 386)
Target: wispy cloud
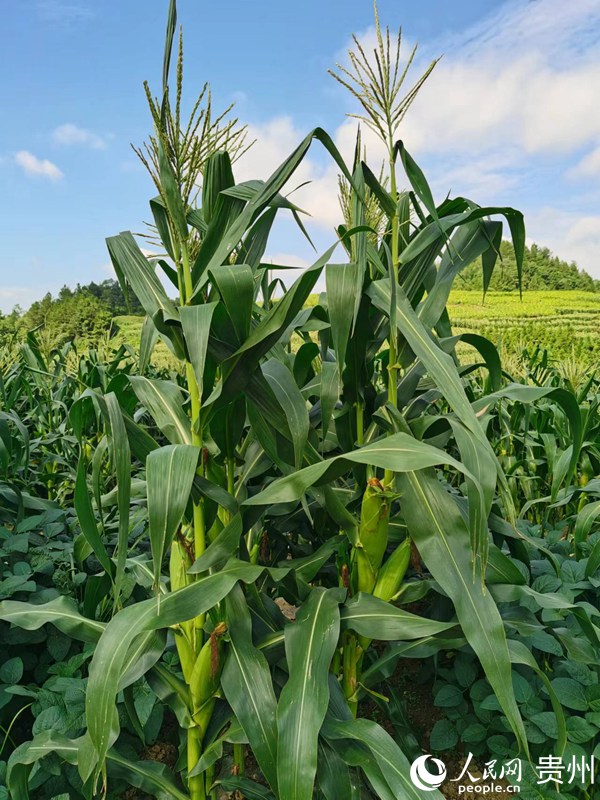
(588, 167)
(70, 134)
(62, 13)
(23, 296)
(37, 167)
(504, 115)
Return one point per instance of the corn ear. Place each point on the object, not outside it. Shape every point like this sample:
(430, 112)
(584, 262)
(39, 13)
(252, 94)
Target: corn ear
(391, 574)
(179, 564)
(365, 574)
(204, 680)
(374, 522)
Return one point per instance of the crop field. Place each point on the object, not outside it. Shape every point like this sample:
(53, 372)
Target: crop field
(566, 323)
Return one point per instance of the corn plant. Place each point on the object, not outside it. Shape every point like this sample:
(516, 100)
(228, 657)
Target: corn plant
(270, 479)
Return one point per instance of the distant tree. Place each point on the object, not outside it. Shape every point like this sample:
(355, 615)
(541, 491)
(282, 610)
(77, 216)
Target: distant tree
(541, 270)
(72, 315)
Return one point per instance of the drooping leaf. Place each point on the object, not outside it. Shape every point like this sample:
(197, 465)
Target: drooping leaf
(439, 531)
(369, 616)
(164, 401)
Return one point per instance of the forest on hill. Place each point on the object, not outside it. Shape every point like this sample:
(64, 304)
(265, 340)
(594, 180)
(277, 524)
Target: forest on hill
(542, 270)
(87, 312)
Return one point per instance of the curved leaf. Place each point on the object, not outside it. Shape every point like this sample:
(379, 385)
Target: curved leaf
(309, 644)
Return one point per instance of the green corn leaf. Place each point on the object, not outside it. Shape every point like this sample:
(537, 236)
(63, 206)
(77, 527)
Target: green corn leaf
(214, 752)
(369, 616)
(23, 759)
(148, 776)
(255, 242)
(399, 453)
(490, 355)
(246, 682)
(227, 210)
(148, 339)
(390, 759)
(480, 492)
(164, 401)
(87, 520)
(341, 282)
(439, 365)
(269, 190)
(333, 776)
(195, 321)
(467, 243)
(502, 569)
(169, 36)
(170, 472)
(247, 788)
(218, 176)
(519, 654)
(436, 526)
(293, 405)
(385, 665)
(531, 394)
(161, 220)
(236, 286)
(417, 180)
(221, 549)
(583, 523)
(129, 262)
(110, 656)
(121, 457)
(238, 368)
(145, 650)
(330, 392)
(171, 190)
(62, 612)
(490, 256)
(309, 644)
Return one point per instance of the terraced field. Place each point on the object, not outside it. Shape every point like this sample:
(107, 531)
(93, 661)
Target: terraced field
(566, 323)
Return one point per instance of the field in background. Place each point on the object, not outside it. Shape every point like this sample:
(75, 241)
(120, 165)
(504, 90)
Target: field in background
(566, 323)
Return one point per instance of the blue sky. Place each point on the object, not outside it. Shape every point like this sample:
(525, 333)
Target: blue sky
(509, 116)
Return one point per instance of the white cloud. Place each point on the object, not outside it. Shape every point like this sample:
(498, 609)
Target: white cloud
(588, 167)
(24, 296)
(500, 119)
(34, 166)
(524, 76)
(571, 235)
(69, 134)
(65, 14)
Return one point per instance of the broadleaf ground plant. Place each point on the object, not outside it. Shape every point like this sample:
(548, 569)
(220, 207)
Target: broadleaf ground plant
(259, 519)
